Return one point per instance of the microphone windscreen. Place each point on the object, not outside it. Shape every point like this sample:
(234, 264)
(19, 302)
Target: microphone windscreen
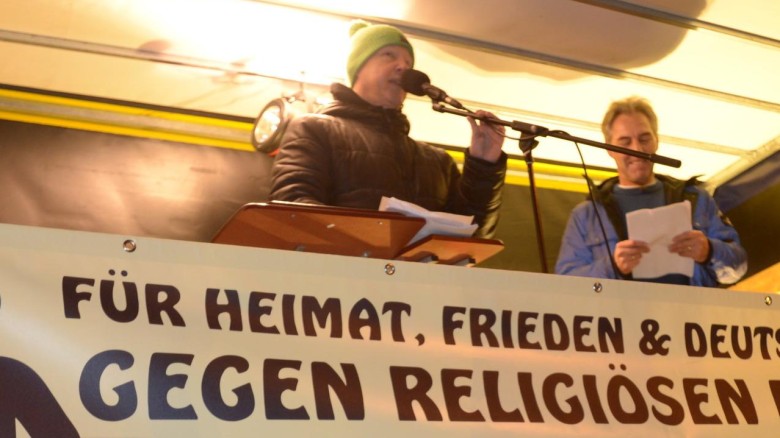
(412, 82)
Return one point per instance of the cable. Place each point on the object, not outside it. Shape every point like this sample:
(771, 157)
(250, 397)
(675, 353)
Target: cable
(595, 208)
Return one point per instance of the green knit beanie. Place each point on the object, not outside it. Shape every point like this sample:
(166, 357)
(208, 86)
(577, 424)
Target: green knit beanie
(366, 39)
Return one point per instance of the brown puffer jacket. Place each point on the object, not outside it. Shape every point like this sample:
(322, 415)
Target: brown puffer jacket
(352, 153)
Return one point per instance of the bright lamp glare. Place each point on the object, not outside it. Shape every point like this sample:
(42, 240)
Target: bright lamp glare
(396, 9)
(266, 39)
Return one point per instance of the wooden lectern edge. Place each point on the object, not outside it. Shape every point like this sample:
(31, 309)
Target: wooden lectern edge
(435, 248)
(451, 250)
(319, 229)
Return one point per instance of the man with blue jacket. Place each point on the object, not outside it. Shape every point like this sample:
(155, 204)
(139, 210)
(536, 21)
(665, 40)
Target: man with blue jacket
(713, 243)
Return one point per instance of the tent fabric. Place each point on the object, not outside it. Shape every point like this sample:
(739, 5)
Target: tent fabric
(748, 184)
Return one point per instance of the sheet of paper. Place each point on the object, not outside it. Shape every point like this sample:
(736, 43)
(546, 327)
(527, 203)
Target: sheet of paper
(657, 227)
(436, 222)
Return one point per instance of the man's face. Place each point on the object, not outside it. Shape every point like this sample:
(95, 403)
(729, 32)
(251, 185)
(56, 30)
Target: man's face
(633, 131)
(379, 80)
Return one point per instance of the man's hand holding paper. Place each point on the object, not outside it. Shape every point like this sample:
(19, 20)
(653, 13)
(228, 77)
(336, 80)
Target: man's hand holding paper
(693, 244)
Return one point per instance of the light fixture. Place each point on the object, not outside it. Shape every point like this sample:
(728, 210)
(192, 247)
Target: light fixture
(270, 125)
(273, 119)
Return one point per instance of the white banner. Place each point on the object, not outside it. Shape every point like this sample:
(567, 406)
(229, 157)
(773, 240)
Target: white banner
(193, 339)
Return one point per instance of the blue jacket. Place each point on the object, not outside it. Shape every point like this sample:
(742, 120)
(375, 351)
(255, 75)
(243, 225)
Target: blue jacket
(583, 252)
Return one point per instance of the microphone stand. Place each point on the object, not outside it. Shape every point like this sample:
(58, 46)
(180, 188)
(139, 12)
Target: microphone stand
(527, 144)
(528, 134)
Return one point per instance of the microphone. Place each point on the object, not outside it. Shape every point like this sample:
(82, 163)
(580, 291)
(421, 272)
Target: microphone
(419, 84)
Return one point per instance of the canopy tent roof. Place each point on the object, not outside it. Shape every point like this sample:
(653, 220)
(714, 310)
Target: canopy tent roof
(708, 66)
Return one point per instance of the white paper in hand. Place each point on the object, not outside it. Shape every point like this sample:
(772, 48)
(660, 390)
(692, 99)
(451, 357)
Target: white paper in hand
(436, 222)
(657, 227)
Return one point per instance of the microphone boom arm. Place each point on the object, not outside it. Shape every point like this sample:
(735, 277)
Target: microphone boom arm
(540, 131)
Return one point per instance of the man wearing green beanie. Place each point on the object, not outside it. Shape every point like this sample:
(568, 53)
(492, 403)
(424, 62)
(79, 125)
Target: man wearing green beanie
(357, 149)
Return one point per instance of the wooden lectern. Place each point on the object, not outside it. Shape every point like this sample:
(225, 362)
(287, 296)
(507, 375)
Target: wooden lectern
(350, 232)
